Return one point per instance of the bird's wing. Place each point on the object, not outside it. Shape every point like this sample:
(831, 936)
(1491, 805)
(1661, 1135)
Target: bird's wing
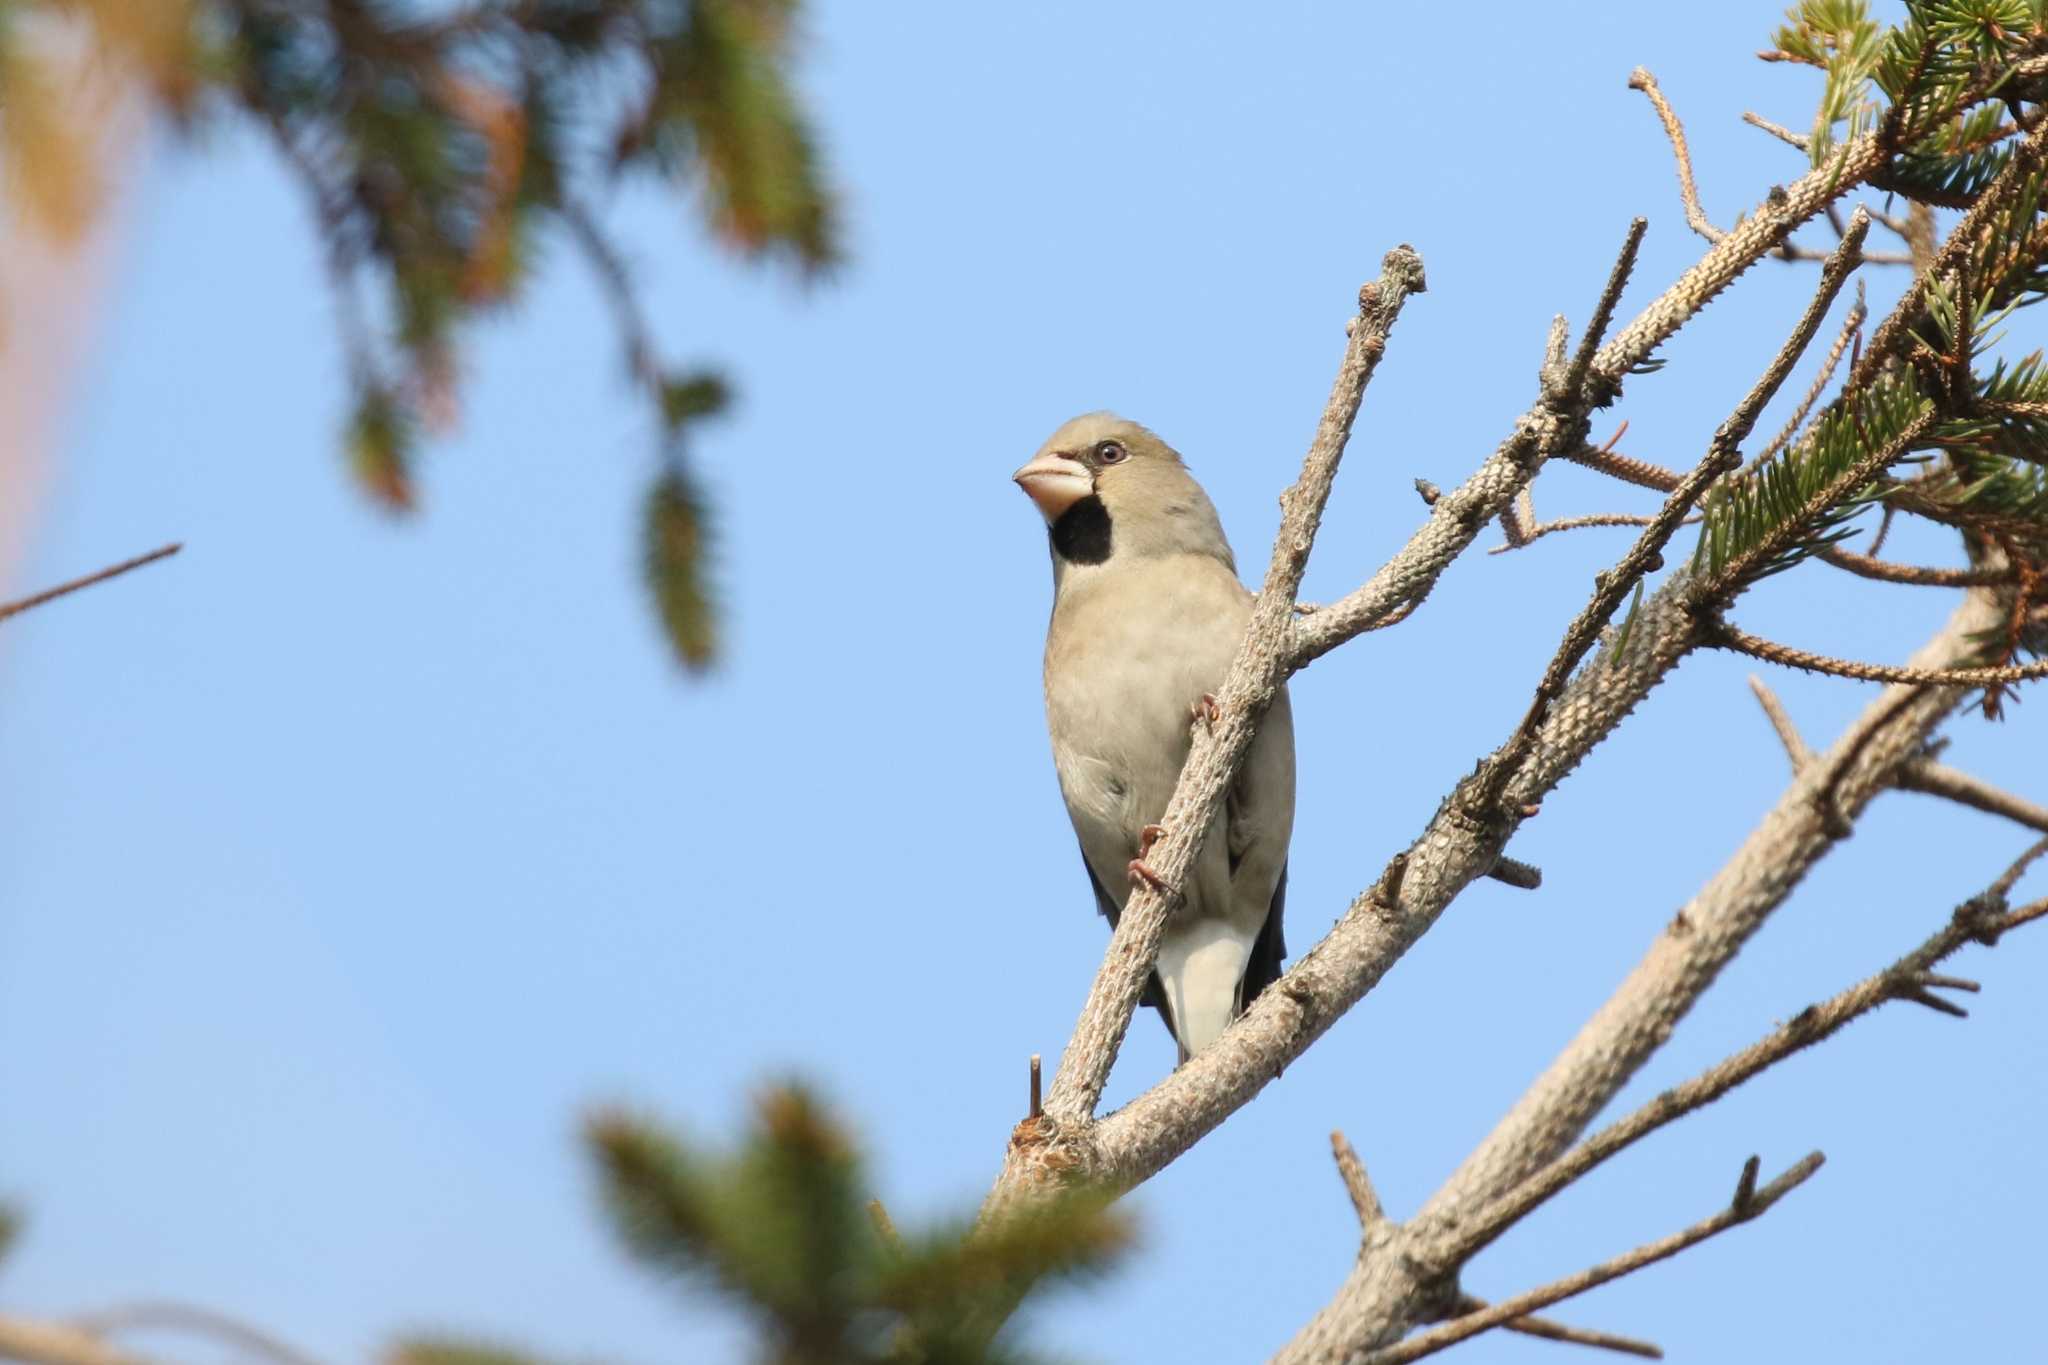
(1269, 950)
(1153, 996)
(1259, 819)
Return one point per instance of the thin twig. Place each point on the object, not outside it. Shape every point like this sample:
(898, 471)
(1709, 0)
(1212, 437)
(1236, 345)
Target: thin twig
(1557, 1331)
(1788, 734)
(1885, 571)
(1792, 251)
(1516, 873)
(1641, 473)
(33, 600)
(1602, 319)
(1499, 1315)
(1364, 1199)
(1037, 1087)
(1695, 216)
(616, 278)
(1938, 779)
(1596, 519)
(1778, 131)
(1850, 326)
(1723, 633)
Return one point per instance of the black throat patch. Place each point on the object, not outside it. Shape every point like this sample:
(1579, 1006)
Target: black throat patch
(1081, 535)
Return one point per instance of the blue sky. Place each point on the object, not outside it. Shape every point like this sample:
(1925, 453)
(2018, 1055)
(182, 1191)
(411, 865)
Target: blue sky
(348, 862)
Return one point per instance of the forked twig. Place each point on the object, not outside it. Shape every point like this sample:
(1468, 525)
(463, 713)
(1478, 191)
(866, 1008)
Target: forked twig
(1749, 1204)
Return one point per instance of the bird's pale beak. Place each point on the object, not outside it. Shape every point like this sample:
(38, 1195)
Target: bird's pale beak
(1055, 483)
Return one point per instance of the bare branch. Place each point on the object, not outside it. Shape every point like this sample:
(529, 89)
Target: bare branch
(20, 605)
(1557, 1331)
(1736, 1213)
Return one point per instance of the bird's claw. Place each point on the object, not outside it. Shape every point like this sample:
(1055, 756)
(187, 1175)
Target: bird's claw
(1144, 875)
(1206, 710)
(1149, 836)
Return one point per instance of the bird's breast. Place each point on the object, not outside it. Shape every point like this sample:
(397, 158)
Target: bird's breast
(1128, 654)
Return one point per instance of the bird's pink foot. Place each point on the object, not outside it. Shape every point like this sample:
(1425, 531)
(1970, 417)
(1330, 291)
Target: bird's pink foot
(1149, 836)
(1206, 710)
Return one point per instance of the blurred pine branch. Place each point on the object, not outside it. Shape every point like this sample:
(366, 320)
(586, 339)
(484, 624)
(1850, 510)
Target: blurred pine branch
(439, 147)
(780, 1228)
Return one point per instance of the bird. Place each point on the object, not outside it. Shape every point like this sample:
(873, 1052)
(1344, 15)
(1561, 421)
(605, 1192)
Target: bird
(1147, 614)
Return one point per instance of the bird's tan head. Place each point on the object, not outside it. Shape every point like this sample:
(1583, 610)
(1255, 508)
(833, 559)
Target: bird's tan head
(1101, 470)
(1089, 455)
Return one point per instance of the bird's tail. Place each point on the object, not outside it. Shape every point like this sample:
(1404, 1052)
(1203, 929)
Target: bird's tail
(1201, 965)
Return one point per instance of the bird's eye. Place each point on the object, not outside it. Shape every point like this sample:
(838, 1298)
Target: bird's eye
(1109, 452)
